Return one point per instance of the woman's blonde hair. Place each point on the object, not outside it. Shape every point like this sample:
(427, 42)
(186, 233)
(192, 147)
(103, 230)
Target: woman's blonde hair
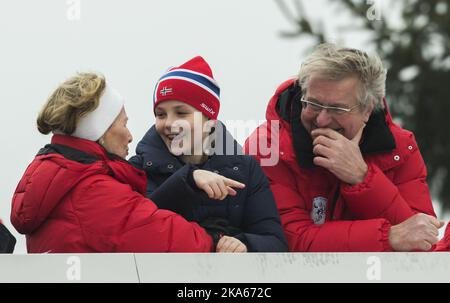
(72, 100)
(335, 63)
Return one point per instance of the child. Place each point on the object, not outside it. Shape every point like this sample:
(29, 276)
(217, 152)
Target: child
(203, 175)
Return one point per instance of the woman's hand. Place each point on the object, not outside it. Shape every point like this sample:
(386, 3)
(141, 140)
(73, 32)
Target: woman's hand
(215, 185)
(230, 245)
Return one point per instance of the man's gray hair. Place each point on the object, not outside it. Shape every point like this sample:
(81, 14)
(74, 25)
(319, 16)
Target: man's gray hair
(331, 62)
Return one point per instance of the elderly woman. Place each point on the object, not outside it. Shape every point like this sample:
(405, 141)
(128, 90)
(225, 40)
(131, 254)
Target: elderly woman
(80, 195)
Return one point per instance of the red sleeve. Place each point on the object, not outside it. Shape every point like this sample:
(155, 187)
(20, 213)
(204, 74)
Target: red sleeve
(335, 236)
(395, 200)
(444, 243)
(115, 218)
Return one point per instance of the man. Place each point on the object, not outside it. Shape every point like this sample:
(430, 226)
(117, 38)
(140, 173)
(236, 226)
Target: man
(348, 178)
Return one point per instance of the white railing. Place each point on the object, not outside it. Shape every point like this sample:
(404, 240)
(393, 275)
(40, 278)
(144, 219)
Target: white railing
(235, 268)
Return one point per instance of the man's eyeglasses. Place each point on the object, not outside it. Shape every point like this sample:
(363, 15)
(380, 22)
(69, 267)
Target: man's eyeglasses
(333, 110)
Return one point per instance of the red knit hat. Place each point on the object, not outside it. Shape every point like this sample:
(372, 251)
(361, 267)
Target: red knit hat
(192, 83)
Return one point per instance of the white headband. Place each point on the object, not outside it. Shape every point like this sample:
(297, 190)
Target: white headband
(96, 123)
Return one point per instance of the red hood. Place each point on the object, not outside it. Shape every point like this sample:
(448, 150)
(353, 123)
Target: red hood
(49, 178)
(271, 112)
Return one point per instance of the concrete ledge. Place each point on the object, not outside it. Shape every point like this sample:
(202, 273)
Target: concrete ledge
(235, 268)
(61, 268)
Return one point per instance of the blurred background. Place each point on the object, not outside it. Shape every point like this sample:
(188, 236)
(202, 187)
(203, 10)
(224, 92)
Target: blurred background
(252, 46)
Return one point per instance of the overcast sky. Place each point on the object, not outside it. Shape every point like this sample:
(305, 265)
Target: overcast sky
(132, 43)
